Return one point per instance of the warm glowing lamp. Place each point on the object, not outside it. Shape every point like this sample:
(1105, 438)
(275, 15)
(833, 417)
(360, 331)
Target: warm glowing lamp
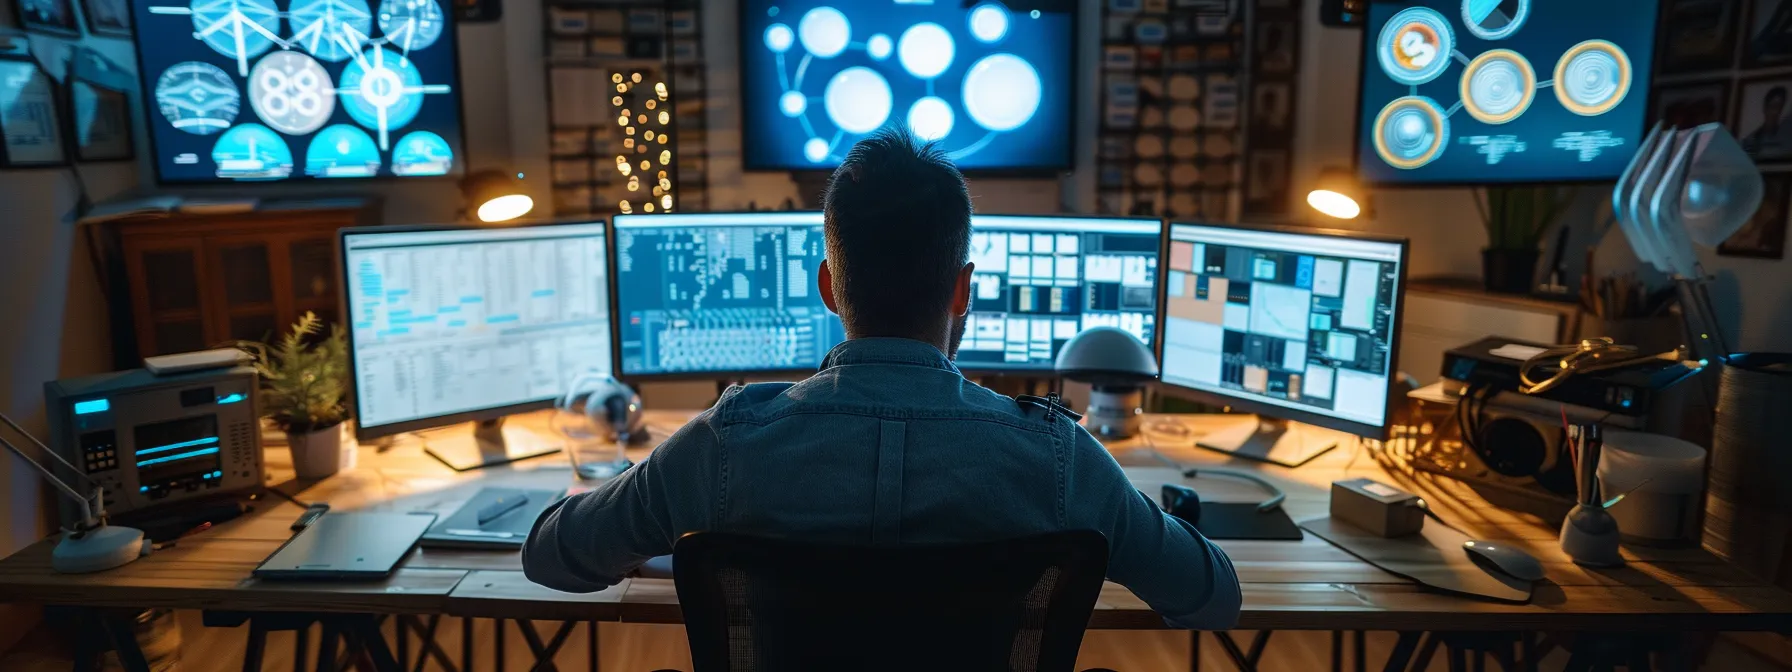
(1337, 194)
(496, 195)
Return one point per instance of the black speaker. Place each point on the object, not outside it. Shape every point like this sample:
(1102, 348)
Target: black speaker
(1343, 13)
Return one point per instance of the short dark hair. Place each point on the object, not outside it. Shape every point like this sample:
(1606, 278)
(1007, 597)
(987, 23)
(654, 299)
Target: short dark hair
(898, 229)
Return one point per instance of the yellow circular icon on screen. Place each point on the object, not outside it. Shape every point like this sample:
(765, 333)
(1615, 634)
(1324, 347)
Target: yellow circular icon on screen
(1411, 132)
(1498, 86)
(1592, 78)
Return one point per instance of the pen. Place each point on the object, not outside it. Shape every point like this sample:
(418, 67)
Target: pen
(481, 533)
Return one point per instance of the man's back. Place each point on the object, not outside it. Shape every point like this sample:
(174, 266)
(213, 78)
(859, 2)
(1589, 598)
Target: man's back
(887, 445)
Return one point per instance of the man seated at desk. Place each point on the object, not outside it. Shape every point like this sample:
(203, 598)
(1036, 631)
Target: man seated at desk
(888, 443)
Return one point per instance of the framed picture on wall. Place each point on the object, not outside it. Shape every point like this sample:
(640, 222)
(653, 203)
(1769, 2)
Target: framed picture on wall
(1764, 235)
(1699, 35)
(1767, 39)
(1689, 105)
(29, 120)
(1761, 121)
(108, 17)
(56, 17)
(101, 121)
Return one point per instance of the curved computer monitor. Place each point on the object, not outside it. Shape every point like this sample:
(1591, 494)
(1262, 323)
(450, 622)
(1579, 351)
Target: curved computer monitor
(1288, 323)
(458, 324)
(1042, 279)
(720, 295)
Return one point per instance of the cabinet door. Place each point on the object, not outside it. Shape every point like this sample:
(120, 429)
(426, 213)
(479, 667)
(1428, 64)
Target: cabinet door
(311, 261)
(169, 302)
(245, 303)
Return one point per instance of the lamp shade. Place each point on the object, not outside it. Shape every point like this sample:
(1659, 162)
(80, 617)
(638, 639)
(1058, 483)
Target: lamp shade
(495, 195)
(1106, 356)
(1337, 194)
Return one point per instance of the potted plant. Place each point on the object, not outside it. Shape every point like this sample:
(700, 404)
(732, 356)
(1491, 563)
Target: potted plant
(304, 381)
(1516, 219)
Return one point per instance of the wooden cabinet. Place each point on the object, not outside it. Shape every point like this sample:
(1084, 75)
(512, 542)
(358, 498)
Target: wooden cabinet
(190, 281)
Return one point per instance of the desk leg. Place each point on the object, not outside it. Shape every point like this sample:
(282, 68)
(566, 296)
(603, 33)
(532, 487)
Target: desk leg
(301, 647)
(326, 647)
(1359, 642)
(498, 645)
(124, 642)
(1246, 662)
(1194, 651)
(466, 642)
(258, 642)
(373, 643)
(1337, 651)
(544, 653)
(591, 645)
(1401, 657)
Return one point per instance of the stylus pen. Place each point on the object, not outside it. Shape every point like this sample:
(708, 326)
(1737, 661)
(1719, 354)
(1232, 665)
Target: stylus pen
(497, 509)
(482, 533)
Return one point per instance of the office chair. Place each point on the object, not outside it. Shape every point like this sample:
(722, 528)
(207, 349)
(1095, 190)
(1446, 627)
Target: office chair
(753, 603)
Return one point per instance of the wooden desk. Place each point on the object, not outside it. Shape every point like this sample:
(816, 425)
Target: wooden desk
(1287, 585)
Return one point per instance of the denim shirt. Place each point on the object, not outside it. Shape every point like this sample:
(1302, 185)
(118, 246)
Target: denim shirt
(888, 444)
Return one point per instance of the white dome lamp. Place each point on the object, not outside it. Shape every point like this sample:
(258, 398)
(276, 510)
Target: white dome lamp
(1117, 367)
(91, 545)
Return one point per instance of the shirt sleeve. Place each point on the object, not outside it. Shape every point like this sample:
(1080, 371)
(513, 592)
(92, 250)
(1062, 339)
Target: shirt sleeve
(1161, 558)
(588, 542)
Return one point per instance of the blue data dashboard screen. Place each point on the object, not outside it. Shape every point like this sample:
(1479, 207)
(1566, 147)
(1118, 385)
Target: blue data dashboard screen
(989, 81)
(721, 294)
(1503, 91)
(455, 321)
(1041, 280)
(274, 90)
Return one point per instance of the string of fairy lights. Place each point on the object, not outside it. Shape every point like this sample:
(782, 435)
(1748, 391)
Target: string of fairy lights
(644, 131)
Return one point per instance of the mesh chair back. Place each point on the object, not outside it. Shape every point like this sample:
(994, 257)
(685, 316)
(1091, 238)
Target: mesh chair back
(754, 604)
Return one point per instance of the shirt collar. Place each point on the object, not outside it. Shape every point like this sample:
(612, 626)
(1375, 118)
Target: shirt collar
(887, 351)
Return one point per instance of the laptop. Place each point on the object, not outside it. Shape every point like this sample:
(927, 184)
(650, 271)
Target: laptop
(347, 546)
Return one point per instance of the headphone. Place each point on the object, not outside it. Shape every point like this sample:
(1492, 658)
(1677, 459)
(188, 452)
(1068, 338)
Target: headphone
(1183, 502)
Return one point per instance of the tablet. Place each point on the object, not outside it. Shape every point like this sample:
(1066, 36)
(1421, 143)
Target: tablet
(347, 546)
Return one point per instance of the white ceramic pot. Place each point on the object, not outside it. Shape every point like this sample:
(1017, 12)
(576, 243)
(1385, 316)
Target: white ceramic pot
(316, 454)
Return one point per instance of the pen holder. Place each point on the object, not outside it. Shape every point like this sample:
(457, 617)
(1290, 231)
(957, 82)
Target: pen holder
(1590, 537)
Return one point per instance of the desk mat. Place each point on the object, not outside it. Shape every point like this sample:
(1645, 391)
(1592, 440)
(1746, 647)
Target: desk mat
(1242, 521)
(1434, 557)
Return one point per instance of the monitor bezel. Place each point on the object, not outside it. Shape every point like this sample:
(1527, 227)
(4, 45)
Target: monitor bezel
(750, 164)
(1366, 61)
(364, 433)
(1269, 410)
(1050, 371)
(685, 376)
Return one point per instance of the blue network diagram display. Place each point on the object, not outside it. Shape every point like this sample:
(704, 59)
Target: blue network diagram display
(721, 294)
(1503, 91)
(1041, 280)
(989, 81)
(260, 90)
(456, 321)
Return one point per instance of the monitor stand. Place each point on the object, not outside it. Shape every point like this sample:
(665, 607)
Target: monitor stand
(1272, 440)
(488, 445)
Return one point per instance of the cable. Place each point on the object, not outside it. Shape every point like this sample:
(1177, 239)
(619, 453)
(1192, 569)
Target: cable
(281, 494)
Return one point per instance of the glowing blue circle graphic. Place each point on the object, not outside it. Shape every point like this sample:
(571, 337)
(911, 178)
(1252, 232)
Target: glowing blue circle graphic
(879, 46)
(779, 38)
(422, 153)
(858, 100)
(197, 97)
(1411, 132)
(381, 90)
(989, 22)
(1495, 19)
(816, 149)
(793, 103)
(252, 152)
(925, 50)
(1592, 78)
(1002, 92)
(930, 118)
(1415, 46)
(1034, 13)
(222, 24)
(410, 25)
(332, 30)
(291, 92)
(342, 151)
(824, 32)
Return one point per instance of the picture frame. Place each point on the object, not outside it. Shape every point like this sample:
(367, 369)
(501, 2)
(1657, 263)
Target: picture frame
(1266, 187)
(1272, 109)
(107, 18)
(1688, 105)
(1276, 43)
(1699, 35)
(100, 118)
(1767, 35)
(32, 133)
(1761, 118)
(1764, 236)
(52, 17)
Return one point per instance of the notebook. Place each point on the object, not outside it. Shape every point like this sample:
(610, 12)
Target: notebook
(495, 518)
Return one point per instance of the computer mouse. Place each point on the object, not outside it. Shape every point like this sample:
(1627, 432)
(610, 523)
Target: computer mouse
(1504, 559)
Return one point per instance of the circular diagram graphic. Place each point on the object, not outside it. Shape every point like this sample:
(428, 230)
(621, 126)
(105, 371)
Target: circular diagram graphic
(1411, 132)
(816, 149)
(1001, 92)
(858, 100)
(1495, 19)
(382, 90)
(342, 151)
(824, 32)
(793, 103)
(925, 50)
(239, 29)
(252, 152)
(197, 97)
(1592, 78)
(1498, 86)
(779, 38)
(930, 118)
(411, 24)
(291, 92)
(332, 30)
(880, 46)
(422, 153)
(1415, 46)
(989, 22)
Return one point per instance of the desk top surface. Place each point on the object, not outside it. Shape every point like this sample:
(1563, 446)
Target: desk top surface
(1308, 584)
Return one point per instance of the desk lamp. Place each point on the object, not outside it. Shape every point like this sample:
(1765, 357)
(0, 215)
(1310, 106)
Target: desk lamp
(1117, 366)
(496, 196)
(92, 546)
(1337, 194)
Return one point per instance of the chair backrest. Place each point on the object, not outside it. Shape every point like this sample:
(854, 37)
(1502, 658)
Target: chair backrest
(753, 604)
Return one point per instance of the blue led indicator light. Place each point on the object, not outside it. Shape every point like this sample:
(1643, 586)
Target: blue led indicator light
(231, 398)
(92, 406)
